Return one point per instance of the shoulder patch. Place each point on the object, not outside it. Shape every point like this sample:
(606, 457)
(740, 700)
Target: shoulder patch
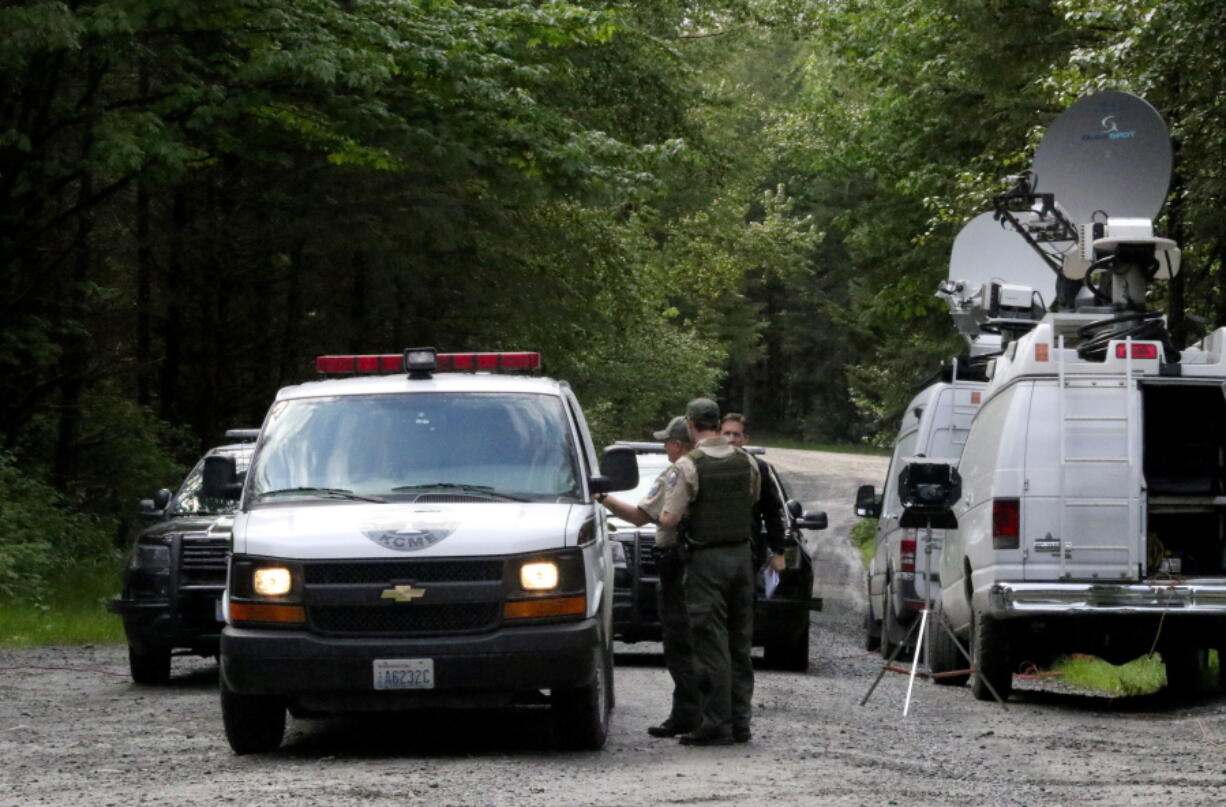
(672, 478)
(655, 488)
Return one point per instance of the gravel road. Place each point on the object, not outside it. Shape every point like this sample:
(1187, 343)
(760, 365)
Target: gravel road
(74, 730)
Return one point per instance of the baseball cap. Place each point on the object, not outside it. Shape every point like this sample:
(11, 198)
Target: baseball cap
(702, 410)
(675, 430)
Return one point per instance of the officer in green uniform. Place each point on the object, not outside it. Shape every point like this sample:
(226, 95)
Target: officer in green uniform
(670, 593)
(715, 487)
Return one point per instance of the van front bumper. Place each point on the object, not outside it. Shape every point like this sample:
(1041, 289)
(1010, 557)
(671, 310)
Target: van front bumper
(1192, 597)
(294, 663)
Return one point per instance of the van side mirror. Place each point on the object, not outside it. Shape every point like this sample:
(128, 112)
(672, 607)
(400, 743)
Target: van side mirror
(867, 503)
(815, 520)
(928, 492)
(619, 470)
(221, 478)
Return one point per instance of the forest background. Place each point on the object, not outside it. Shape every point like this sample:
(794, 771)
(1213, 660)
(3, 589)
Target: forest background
(752, 199)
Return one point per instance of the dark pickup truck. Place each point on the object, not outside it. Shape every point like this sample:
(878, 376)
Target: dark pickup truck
(172, 585)
(781, 621)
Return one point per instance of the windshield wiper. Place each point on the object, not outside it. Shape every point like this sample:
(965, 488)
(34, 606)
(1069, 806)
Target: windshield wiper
(485, 490)
(330, 493)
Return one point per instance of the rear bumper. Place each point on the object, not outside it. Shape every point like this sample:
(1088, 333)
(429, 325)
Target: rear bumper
(298, 663)
(1006, 600)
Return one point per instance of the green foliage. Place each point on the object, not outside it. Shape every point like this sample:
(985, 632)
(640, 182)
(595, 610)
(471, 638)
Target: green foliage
(39, 534)
(1142, 676)
(72, 612)
(864, 538)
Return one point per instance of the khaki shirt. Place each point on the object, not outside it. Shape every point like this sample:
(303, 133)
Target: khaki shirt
(682, 488)
(653, 505)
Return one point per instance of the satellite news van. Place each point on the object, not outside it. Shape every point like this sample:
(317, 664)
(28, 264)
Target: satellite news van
(903, 576)
(408, 538)
(1088, 510)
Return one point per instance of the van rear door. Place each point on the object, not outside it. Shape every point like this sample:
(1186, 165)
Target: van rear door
(1081, 513)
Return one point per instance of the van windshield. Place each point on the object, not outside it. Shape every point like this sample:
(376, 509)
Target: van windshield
(390, 447)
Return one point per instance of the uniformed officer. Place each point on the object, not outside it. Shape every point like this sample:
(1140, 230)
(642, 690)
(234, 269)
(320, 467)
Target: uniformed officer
(768, 533)
(715, 487)
(670, 594)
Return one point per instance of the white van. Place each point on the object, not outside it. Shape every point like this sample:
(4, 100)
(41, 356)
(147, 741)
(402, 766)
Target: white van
(904, 572)
(420, 539)
(1093, 508)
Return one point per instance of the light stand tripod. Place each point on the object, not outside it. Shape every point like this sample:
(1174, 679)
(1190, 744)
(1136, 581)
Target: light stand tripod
(921, 626)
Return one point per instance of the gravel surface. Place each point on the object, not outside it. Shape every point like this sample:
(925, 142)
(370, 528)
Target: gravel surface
(75, 730)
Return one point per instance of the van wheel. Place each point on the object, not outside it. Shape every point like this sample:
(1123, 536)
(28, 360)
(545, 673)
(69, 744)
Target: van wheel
(1185, 670)
(792, 655)
(254, 724)
(943, 654)
(581, 716)
(990, 654)
(892, 631)
(150, 666)
(872, 628)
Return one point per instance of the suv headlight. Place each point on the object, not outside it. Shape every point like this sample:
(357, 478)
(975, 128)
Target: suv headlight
(150, 557)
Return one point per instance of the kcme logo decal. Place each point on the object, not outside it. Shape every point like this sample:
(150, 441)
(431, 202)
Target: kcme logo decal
(420, 531)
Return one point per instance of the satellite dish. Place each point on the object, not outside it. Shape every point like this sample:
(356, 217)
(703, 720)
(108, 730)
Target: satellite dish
(986, 250)
(1109, 151)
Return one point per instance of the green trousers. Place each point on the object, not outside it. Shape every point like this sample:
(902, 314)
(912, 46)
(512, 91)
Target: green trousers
(678, 646)
(719, 588)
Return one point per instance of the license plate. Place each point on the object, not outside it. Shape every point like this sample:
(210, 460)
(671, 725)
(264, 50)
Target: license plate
(404, 673)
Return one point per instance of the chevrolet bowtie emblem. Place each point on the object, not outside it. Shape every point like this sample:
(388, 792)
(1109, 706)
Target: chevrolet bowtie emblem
(402, 593)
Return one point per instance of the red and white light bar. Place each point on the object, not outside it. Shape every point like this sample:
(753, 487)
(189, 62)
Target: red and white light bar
(521, 362)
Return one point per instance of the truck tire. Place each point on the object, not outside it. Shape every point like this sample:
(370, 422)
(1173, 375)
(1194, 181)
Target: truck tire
(1185, 670)
(892, 631)
(943, 654)
(791, 655)
(150, 666)
(872, 628)
(254, 724)
(581, 716)
(990, 654)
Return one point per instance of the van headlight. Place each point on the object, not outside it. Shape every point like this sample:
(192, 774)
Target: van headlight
(539, 575)
(272, 581)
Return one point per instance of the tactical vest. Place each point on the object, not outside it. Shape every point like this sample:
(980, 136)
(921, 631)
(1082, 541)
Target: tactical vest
(723, 511)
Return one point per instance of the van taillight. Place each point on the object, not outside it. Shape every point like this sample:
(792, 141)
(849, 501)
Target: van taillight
(1006, 523)
(906, 552)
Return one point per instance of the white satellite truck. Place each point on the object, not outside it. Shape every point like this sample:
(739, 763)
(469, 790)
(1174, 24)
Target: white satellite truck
(1088, 510)
(903, 576)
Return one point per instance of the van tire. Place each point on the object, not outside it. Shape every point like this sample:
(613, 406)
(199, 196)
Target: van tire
(254, 724)
(1185, 670)
(872, 627)
(990, 654)
(944, 655)
(581, 716)
(892, 632)
(150, 667)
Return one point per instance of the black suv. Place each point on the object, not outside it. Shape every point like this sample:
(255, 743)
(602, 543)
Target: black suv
(781, 621)
(175, 576)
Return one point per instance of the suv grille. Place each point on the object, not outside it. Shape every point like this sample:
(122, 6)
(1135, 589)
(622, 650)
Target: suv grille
(419, 571)
(644, 546)
(409, 619)
(202, 561)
